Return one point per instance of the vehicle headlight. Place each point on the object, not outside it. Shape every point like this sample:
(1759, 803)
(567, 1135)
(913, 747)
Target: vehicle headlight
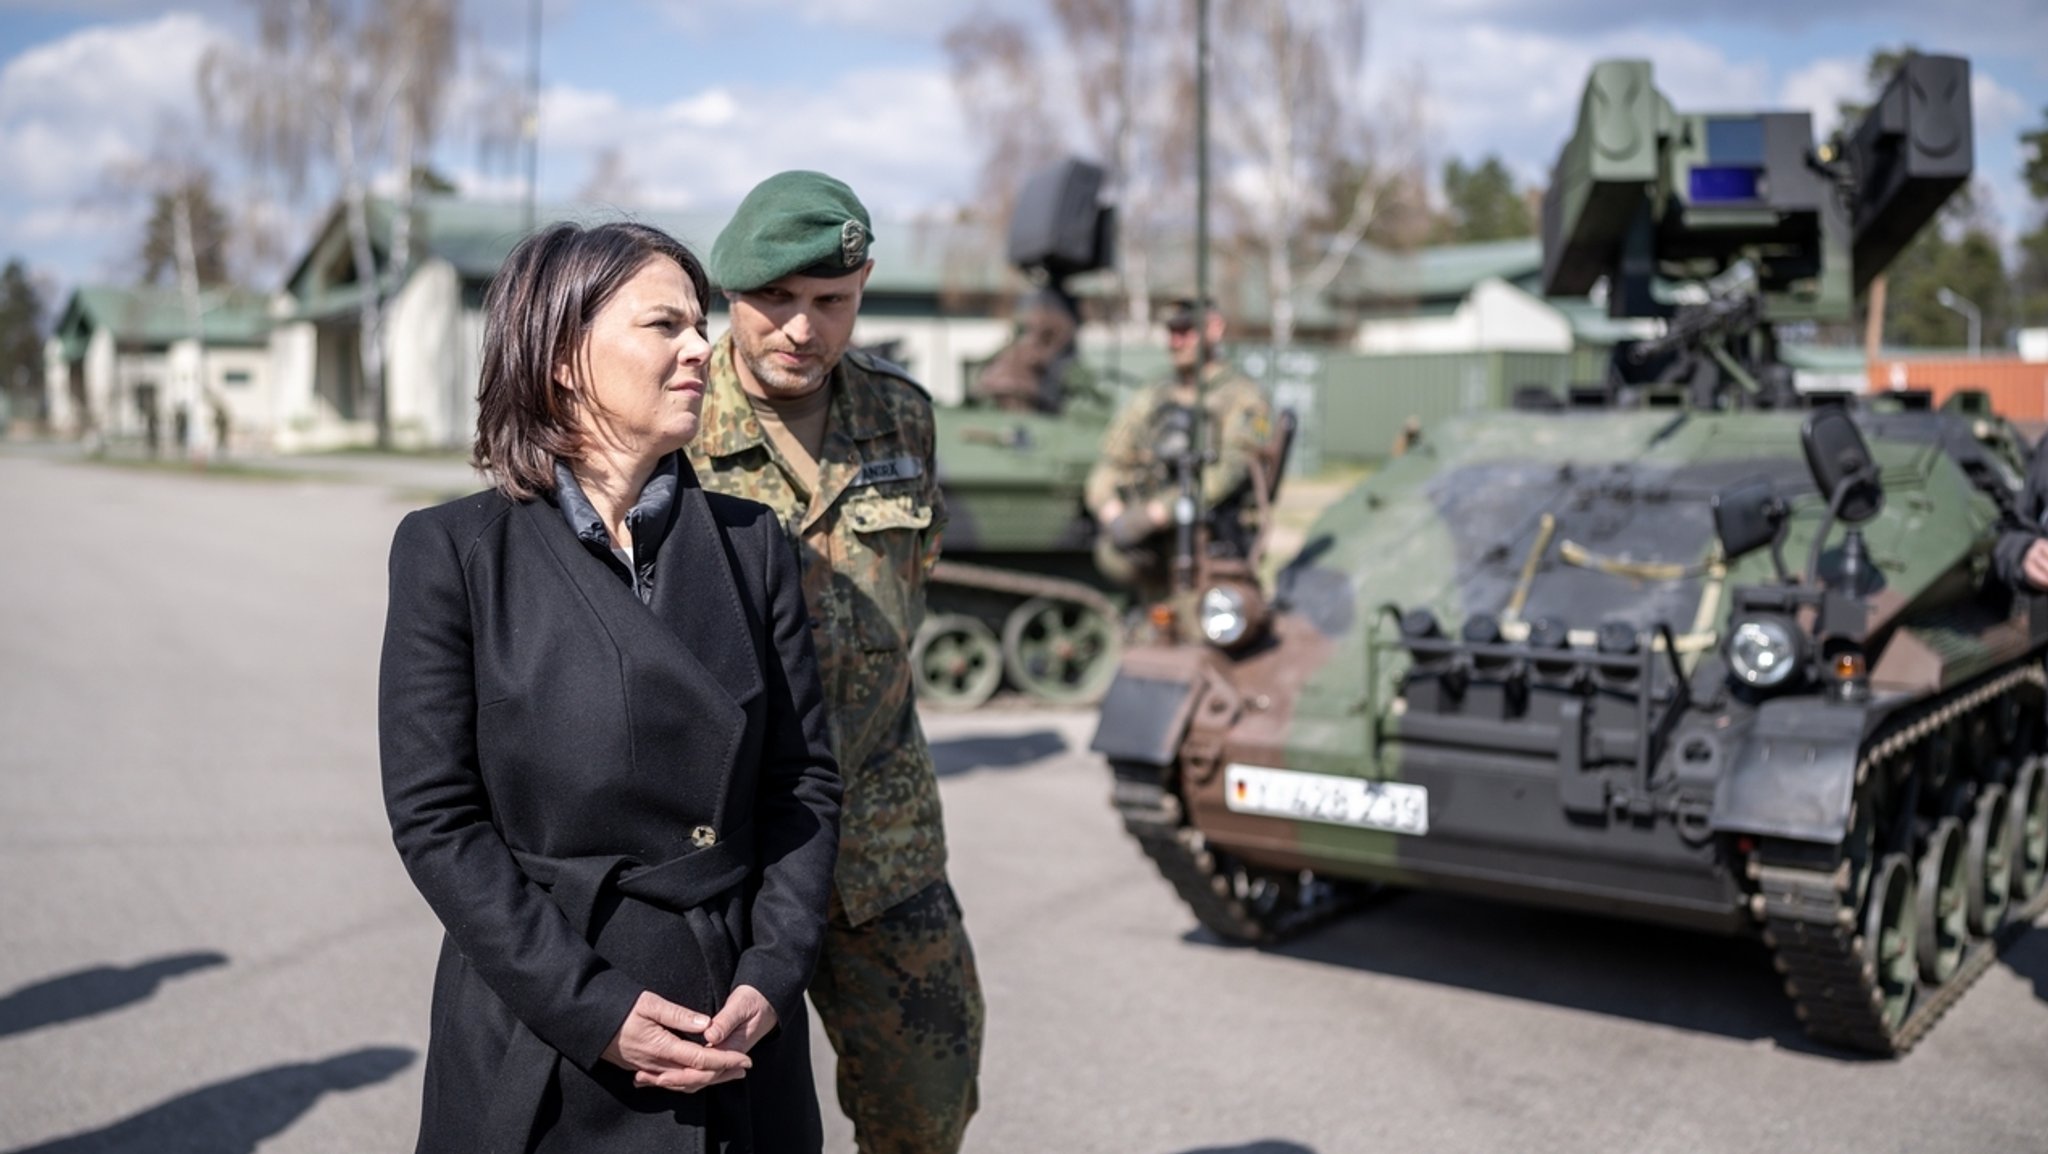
(1763, 652)
(1224, 615)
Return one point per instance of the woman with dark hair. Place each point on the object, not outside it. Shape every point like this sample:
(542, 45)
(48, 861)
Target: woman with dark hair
(604, 745)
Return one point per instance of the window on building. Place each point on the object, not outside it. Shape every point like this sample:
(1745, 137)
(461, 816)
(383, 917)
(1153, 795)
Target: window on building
(235, 377)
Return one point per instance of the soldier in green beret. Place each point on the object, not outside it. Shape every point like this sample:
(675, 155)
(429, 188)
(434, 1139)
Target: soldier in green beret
(1130, 491)
(839, 444)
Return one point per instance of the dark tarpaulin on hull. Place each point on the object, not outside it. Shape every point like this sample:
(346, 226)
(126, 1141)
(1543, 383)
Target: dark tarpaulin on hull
(1641, 514)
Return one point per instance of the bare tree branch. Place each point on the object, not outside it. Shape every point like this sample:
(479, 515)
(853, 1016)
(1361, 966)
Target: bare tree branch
(1294, 129)
(349, 89)
(996, 72)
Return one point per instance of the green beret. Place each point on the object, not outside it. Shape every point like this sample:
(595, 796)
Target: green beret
(793, 222)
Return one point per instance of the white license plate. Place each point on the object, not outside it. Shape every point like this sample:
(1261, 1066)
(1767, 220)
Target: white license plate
(1389, 805)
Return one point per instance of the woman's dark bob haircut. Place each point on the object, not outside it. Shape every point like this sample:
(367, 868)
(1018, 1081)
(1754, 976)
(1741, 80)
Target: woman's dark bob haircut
(536, 313)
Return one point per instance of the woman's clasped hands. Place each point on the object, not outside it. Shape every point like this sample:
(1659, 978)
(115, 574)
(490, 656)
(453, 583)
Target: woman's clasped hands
(650, 1043)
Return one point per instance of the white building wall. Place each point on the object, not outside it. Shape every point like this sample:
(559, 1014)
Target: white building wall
(295, 414)
(64, 415)
(434, 351)
(469, 345)
(430, 356)
(236, 378)
(1495, 317)
(241, 378)
(135, 377)
(424, 358)
(182, 368)
(99, 383)
(935, 349)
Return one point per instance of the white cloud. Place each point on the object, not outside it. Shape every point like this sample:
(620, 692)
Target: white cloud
(1996, 109)
(565, 108)
(118, 9)
(1500, 76)
(108, 69)
(72, 108)
(1973, 26)
(894, 135)
(713, 109)
(1822, 86)
(911, 17)
(1493, 85)
(921, 19)
(1491, 88)
(45, 225)
(2000, 114)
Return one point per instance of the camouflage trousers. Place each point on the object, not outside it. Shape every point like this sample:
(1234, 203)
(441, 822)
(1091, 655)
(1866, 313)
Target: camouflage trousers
(1144, 568)
(901, 1002)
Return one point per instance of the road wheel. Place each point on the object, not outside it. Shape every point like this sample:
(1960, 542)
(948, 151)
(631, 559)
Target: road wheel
(1987, 862)
(2029, 817)
(1943, 903)
(956, 661)
(1060, 651)
(1888, 938)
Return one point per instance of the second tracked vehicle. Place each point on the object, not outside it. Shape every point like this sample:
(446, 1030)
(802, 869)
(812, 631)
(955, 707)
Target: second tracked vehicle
(1017, 599)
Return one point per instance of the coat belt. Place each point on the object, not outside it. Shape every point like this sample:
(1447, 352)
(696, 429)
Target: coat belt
(685, 886)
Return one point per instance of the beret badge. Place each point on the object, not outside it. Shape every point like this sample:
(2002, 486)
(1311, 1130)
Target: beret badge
(853, 243)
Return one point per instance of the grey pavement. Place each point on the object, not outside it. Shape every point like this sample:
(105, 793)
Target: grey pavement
(416, 476)
(207, 944)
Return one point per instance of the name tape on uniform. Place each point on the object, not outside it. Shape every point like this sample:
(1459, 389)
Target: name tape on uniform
(893, 469)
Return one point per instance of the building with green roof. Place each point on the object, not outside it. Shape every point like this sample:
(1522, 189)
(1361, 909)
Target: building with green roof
(288, 371)
(126, 363)
(938, 301)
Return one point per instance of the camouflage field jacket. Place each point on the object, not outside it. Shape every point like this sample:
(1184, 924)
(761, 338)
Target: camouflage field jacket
(868, 539)
(1236, 423)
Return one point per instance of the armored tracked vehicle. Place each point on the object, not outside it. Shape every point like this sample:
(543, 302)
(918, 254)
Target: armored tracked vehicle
(1705, 654)
(1017, 598)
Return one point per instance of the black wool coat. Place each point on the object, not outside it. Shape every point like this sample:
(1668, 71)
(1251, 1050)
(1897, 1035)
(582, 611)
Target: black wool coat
(598, 797)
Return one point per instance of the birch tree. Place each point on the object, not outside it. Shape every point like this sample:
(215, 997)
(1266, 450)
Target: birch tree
(186, 239)
(1304, 170)
(21, 343)
(341, 91)
(1133, 79)
(1292, 123)
(192, 212)
(2030, 282)
(1110, 78)
(999, 79)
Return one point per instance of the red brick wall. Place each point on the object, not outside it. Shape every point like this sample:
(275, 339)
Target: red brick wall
(2018, 389)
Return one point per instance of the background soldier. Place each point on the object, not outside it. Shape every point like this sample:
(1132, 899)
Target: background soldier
(1040, 370)
(839, 444)
(2021, 556)
(1131, 490)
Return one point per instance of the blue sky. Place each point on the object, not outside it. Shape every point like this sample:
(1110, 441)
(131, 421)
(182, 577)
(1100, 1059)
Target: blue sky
(695, 101)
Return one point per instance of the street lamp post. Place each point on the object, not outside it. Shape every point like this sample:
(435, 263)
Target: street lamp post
(1948, 299)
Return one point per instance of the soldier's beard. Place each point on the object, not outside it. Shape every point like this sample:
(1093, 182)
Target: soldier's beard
(782, 383)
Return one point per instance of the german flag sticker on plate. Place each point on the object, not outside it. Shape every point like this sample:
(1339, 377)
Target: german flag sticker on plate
(1395, 806)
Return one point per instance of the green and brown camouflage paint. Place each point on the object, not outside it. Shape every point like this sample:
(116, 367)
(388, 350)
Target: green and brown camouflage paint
(1450, 527)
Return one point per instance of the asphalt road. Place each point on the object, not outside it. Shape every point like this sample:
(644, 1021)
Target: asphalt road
(207, 944)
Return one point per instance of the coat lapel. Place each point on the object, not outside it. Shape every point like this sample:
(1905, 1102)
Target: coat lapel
(693, 652)
(696, 594)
